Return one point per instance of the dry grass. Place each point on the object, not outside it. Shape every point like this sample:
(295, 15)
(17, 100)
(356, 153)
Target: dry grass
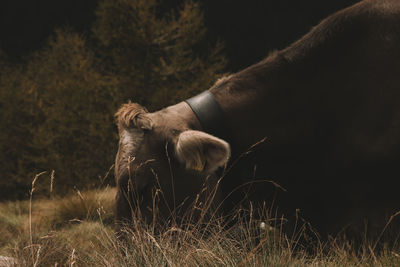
(77, 231)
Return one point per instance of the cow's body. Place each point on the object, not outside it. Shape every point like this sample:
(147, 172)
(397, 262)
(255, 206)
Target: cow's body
(329, 106)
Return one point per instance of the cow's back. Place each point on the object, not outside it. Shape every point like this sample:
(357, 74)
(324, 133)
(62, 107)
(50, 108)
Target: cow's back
(333, 133)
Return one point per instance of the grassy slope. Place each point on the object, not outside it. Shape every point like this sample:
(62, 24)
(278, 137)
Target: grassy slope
(77, 231)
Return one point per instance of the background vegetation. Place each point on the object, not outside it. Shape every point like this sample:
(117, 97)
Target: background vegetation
(57, 106)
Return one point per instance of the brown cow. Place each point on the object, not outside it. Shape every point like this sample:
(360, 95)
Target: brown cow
(329, 105)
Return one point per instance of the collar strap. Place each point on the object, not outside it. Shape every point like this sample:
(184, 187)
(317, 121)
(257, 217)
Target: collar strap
(208, 112)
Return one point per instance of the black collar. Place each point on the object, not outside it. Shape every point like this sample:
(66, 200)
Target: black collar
(209, 113)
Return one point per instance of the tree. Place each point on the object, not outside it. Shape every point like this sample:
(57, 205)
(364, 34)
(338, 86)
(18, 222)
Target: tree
(75, 102)
(58, 106)
(158, 57)
(16, 121)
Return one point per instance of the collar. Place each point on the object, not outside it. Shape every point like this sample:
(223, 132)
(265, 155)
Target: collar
(208, 112)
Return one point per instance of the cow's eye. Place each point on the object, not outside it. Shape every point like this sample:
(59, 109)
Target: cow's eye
(174, 132)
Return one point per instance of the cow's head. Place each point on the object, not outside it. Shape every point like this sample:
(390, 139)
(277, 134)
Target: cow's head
(162, 159)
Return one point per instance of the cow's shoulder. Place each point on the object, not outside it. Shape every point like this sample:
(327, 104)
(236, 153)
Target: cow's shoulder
(385, 8)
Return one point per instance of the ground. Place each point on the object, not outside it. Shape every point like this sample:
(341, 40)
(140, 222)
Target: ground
(77, 230)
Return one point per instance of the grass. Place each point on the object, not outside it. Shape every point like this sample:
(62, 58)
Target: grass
(77, 230)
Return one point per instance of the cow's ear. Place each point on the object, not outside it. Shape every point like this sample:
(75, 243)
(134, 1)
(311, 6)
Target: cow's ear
(201, 151)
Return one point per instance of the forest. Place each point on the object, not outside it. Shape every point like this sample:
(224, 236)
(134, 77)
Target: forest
(58, 104)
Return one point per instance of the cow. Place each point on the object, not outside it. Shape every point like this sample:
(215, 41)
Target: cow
(312, 130)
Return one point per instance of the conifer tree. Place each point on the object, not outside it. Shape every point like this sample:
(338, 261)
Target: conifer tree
(57, 108)
(75, 101)
(16, 121)
(159, 57)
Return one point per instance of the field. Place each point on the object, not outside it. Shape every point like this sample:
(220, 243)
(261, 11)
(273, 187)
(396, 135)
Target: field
(77, 230)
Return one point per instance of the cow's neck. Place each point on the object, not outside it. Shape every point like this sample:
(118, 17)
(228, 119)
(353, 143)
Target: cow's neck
(264, 100)
(250, 100)
(209, 114)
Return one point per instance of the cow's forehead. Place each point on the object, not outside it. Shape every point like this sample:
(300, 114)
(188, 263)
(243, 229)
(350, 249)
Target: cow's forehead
(135, 142)
(131, 139)
(129, 144)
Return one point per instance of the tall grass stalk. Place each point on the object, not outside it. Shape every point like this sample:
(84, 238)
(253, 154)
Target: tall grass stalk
(30, 218)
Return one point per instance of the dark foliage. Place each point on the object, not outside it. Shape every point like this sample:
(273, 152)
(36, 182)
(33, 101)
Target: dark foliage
(57, 107)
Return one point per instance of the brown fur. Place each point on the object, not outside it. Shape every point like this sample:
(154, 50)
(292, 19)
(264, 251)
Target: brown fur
(329, 105)
(131, 115)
